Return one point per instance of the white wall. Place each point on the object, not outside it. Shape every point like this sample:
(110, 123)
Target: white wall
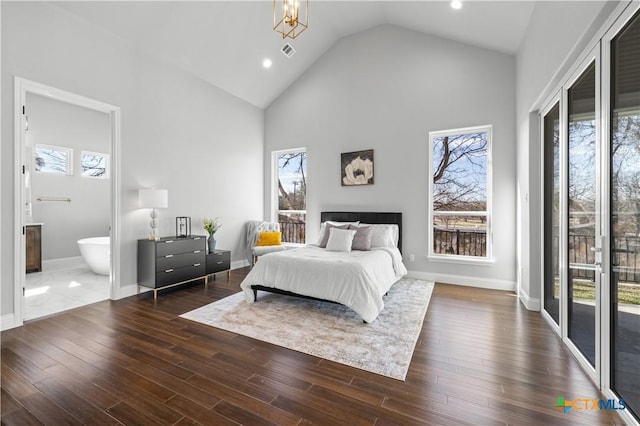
(179, 133)
(385, 89)
(88, 214)
(557, 34)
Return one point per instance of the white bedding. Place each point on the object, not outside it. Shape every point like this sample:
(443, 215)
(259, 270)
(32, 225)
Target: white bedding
(357, 279)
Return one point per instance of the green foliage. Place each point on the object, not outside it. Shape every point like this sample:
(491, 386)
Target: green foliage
(627, 293)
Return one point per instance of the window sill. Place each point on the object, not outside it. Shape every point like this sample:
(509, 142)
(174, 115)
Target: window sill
(464, 260)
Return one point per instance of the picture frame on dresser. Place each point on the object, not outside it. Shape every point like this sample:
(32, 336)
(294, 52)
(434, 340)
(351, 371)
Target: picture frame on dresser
(183, 226)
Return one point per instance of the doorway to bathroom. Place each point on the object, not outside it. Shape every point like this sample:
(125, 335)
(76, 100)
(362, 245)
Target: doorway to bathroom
(67, 146)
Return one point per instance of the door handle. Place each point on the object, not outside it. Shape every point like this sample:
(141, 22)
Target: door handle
(597, 261)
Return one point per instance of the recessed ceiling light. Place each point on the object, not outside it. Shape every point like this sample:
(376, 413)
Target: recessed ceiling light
(267, 63)
(456, 4)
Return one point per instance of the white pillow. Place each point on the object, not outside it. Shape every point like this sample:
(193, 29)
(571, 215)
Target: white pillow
(384, 236)
(331, 222)
(340, 239)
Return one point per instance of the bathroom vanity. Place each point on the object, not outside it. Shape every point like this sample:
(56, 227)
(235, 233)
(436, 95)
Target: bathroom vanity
(33, 237)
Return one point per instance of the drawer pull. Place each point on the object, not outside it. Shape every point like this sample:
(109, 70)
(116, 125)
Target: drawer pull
(196, 238)
(220, 263)
(196, 264)
(168, 271)
(197, 251)
(169, 242)
(169, 255)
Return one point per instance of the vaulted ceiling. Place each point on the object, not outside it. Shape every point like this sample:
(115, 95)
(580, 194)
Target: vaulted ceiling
(225, 42)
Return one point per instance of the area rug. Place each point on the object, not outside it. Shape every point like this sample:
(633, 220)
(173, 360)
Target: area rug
(330, 331)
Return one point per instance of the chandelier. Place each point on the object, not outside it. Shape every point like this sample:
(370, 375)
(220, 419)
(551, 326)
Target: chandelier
(290, 17)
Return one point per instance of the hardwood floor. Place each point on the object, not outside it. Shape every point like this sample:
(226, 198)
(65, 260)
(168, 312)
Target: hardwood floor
(481, 358)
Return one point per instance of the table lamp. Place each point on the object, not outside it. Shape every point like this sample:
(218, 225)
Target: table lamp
(153, 199)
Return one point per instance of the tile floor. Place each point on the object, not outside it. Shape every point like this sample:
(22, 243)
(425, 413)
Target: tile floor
(62, 285)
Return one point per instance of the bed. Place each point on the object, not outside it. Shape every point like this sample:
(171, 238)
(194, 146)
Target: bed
(358, 279)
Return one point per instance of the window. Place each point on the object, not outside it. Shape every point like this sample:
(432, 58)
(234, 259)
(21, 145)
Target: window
(94, 164)
(291, 193)
(460, 203)
(52, 159)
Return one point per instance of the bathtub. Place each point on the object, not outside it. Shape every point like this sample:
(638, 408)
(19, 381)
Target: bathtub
(96, 252)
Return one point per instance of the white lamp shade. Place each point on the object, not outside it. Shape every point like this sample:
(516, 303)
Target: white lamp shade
(153, 198)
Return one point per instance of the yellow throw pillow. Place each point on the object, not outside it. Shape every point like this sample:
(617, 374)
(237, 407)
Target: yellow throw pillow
(269, 239)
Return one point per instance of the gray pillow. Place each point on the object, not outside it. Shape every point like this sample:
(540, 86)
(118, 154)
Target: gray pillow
(325, 237)
(362, 239)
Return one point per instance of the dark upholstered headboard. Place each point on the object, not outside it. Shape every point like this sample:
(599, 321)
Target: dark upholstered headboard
(367, 217)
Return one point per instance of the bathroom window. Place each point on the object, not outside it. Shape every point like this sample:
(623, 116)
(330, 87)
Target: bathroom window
(53, 159)
(94, 164)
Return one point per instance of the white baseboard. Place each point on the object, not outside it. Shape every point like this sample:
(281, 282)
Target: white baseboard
(62, 263)
(131, 290)
(7, 322)
(530, 303)
(239, 264)
(464, 280)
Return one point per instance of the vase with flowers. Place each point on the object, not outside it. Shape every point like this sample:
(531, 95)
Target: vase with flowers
(211, 225)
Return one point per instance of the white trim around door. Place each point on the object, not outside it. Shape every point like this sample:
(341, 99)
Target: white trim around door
(21, 88)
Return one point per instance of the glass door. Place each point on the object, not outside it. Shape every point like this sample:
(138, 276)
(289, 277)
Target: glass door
(624, 242)
(591, 213)
(583, 218)
(551, 215)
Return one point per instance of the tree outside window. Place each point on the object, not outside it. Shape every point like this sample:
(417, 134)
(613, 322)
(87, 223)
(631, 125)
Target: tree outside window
(94, 164)
(52, 159)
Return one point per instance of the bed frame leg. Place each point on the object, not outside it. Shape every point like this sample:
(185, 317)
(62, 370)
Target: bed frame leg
(255, 294)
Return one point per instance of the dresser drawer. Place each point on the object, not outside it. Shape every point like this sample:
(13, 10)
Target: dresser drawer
(176, 275)
(174, 261)
(178, 246)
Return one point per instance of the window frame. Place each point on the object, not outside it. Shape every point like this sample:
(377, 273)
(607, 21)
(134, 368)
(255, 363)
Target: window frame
(488, 213)
(107, 157)
(69, 162)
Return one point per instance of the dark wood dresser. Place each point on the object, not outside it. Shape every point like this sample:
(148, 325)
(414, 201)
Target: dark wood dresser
(170, 261)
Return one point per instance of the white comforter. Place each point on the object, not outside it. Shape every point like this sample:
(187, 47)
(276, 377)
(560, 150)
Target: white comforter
(357, 279)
